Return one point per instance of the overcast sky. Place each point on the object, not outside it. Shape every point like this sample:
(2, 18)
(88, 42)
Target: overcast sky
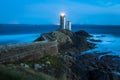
(47, 11)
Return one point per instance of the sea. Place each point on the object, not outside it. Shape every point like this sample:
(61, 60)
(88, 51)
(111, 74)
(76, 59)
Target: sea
(23, 33)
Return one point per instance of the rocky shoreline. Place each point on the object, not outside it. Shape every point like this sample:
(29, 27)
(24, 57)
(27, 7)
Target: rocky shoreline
(70, 64)
(87, 66)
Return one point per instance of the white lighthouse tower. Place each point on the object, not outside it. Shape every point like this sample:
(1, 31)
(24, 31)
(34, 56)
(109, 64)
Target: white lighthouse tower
(62, 21)
(68, 25)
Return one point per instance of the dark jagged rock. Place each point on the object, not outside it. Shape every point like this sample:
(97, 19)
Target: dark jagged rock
(94, 40)
(102, 75)
(89, 67)
(39, 39)
(83, 33)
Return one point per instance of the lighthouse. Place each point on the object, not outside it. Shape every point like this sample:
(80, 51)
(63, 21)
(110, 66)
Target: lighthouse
(62, 21)
(68, 25)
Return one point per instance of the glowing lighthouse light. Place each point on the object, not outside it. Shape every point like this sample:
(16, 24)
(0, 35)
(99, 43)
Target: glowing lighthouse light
(62, 14)
(62, 20)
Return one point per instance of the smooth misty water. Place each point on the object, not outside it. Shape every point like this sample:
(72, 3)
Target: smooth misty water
(17, 38)
(110, 43)
(12, 34)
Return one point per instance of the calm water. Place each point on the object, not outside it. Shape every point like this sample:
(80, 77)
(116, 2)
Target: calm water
(12, 34)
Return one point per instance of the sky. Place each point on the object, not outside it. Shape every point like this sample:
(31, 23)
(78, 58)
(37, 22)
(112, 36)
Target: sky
(99, 12)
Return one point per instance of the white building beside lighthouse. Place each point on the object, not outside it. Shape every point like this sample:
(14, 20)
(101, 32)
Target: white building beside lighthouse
(68, 25)
(63, 23)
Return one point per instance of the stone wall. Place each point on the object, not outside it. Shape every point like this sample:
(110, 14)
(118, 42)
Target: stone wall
(27, 51)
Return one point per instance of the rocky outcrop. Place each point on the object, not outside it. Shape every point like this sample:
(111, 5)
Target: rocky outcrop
(83, 33)
(86, 67)
(71, 41)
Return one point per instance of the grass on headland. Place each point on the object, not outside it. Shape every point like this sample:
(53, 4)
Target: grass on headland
(54, 61)
(18, 73)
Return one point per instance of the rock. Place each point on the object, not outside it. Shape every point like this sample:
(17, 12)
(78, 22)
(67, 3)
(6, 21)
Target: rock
(61, 37)
(79, 72)
(37, 66)
(43, 65)
(68, 58)
(48, 62)
(69, 41)
(102, 75)
(94, 40)
(100, 36)
(24, 65)
(82, 33)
